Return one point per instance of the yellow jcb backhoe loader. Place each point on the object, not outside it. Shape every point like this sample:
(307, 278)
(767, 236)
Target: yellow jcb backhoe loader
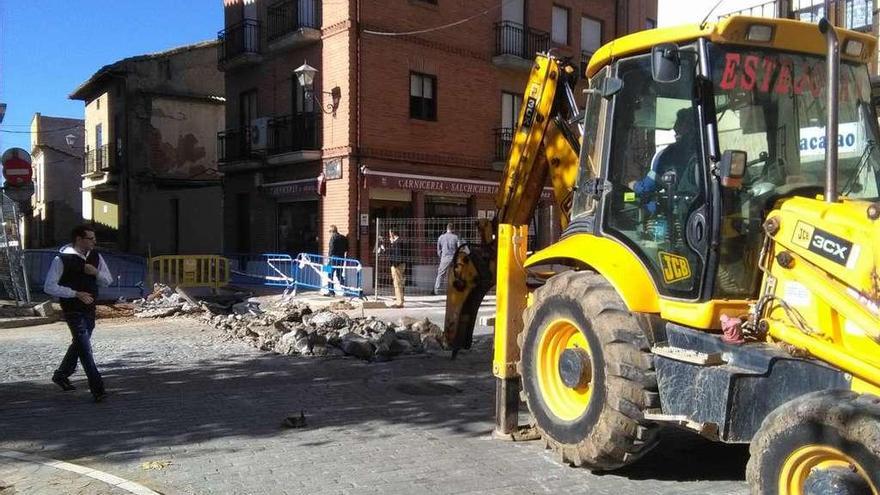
(717, 269)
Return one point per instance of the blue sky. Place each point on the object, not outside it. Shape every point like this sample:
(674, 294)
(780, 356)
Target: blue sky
(49, 47)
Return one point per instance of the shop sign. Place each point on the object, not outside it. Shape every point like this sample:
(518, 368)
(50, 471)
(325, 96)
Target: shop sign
(436, 184)
(307, 187)
(333, 168)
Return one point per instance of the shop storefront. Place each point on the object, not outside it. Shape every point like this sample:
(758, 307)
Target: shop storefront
(297, 215)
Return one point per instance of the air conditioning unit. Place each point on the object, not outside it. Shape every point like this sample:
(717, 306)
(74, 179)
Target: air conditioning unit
(259, 134)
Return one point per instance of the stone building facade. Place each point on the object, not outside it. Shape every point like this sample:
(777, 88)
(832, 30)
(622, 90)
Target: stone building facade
(150, 183)
(57, 153)
(409, 122)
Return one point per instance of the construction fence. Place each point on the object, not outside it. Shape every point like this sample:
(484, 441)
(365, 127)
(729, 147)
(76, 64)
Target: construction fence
(419, 237)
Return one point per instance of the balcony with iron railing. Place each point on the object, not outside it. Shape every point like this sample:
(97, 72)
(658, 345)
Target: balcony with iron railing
(503, 141)
(285, 139)
(516, 45)
(851, 14)
(233, 145)
(240, 44)
(293, 23)
(294, 138)
(98, 160)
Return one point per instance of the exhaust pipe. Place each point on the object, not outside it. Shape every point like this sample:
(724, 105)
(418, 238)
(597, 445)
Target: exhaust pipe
(832, 107)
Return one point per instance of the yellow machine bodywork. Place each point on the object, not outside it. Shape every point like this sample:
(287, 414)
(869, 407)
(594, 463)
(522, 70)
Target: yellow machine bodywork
(817, 308)
(823, 281)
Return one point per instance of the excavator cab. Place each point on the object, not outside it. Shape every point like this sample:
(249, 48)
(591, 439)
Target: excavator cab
(761, 111)
(718, 267)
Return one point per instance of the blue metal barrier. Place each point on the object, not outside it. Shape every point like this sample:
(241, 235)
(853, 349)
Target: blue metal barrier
(128, 271)
(342, 276)
(268, 269)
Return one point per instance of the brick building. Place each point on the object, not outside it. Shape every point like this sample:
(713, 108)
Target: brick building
(150, 184)
(407, 125)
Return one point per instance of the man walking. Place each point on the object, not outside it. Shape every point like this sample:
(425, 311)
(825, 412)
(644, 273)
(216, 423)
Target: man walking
(446, 246)
(338, 249)
(74, 277)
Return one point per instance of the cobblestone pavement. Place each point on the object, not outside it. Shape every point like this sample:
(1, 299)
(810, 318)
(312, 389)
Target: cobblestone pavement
(207, 414)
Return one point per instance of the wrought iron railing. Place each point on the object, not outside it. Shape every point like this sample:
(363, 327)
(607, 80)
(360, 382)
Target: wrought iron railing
(233, 144)
(857, 14)
(297, 132)
(287, 16)
(515, 39)
(766, 9)
(98, 159)
(239, 39)
(503, 140)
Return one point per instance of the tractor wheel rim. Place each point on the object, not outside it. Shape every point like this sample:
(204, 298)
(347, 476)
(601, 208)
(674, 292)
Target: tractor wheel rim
(566, 403)
(801, 463)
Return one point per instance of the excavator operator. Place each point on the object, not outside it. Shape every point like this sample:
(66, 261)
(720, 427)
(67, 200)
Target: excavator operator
(673, 165)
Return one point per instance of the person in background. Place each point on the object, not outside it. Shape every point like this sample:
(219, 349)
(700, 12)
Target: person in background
(446, 247)
(397, 260)
(74, 277)
(338, 249)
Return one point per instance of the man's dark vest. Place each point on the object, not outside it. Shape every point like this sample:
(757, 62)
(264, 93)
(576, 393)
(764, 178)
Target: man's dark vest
(75, 278)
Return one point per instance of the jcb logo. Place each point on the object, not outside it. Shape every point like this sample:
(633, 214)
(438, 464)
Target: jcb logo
(823, 243)
(675, 267)
(837, 250)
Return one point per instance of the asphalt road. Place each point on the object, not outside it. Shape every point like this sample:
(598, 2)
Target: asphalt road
(193, 413)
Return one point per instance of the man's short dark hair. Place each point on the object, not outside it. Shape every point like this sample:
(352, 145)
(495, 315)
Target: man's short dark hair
(80, 231)
(393, 231)
(449, 226)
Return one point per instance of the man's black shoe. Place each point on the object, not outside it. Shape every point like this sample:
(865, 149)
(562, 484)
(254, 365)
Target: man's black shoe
(100, 396)
(63, 382)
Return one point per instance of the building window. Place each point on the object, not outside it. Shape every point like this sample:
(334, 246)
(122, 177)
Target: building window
(650, 23)
(560, 25)
(591, 35)
(510, 104)
(98, 103)
(422, 96)
(859, 15)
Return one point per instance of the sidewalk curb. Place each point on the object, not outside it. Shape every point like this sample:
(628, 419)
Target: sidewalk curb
(122, 484)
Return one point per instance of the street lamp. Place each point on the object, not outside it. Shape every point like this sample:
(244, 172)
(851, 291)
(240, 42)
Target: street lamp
(305, 75)
(71, 140)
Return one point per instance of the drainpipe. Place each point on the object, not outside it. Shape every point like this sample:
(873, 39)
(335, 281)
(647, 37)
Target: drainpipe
(832, 92)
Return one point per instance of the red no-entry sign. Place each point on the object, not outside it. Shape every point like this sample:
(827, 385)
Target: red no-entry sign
(17, 167)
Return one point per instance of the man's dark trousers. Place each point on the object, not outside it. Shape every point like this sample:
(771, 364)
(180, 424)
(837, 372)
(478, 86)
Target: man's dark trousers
(81, 325)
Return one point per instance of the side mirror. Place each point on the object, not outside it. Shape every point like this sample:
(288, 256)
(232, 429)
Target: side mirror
(609, 87)
(732, 168)
(665, 63)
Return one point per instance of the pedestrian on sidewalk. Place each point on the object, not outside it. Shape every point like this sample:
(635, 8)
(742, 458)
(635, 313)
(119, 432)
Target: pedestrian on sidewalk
(397, 260)
(338, 249)
(73, 277)
(447, 244)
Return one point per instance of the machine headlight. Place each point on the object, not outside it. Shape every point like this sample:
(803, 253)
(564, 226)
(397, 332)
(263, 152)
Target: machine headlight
(761, 33)
(854, 48)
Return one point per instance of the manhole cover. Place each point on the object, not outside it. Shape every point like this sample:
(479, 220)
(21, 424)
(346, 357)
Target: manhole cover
(427, 388)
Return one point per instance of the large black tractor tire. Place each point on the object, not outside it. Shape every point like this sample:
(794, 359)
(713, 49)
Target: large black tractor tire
(821, 442)
(597, 422)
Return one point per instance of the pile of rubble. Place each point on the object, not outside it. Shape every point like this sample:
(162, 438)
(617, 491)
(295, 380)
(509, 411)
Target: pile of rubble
(294, 329)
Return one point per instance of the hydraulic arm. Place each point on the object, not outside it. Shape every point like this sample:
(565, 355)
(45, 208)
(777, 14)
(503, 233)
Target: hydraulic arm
(543, 145)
